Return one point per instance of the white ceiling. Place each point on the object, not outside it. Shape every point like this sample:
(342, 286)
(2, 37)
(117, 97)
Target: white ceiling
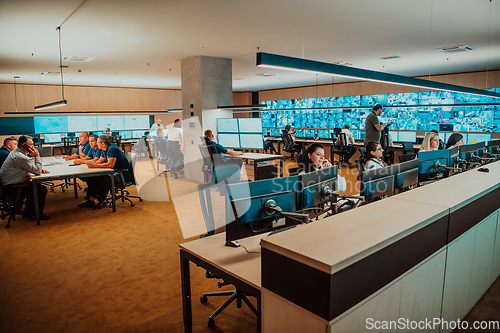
(141, 43)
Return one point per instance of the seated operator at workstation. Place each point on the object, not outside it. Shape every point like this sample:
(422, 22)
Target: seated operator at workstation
(99, 187)
(9, 144)
(350, 142)
(83, 147)
(16, 170)
(93, 154)
(209, 138)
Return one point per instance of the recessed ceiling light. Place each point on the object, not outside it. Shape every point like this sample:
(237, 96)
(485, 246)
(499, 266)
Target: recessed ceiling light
(454, 49)
(265, 74)
(77, 59)
(390, 57)
(50, 73)
(343, 63)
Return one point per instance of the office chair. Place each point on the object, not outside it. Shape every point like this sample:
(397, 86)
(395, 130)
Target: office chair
(342, 150)
(141, 149)
(176, 159)
(407, 147)
(120, 187)
(207, 167)
(388, 152)
(45, 151)
(289, 145)
(406, 157)
(208, 215)
(10, 203)
(162, 156)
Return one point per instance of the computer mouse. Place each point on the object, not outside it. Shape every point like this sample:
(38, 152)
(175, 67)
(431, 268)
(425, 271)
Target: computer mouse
(483, 169)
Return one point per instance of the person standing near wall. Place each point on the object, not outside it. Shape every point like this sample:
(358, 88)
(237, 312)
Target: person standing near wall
(372, 125)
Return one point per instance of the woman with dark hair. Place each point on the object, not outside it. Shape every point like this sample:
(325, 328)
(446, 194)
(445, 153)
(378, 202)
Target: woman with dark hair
(313, 159)
(373, 156)
(456, 139)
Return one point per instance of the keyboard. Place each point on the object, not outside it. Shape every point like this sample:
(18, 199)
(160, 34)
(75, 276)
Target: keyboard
(280, 230)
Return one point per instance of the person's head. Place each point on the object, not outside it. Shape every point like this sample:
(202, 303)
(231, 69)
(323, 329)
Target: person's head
(10, 143)
(378, 109)
(159, 133)
(178, 123)
(25, 141)
(93, 141)
(346, 126)
(315, 154)
(158, 121)
(431, 142)
(434, 131)
(288, 127)
(83, 137)
(456, 139)
(209, 134)
(374, 150)
(108, 130)
(103, 142)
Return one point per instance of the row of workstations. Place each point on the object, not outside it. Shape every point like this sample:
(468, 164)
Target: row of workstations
(385, 260)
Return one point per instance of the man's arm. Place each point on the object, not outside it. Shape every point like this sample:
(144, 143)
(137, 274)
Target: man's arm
(109, 164)
(379, 127)
(28, 165)
(234, 153)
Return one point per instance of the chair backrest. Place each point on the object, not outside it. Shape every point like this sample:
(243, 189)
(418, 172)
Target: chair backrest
(287, 140)
(384, 142)
(131, 157)
(46, 151)
(362, 152)
(74, 151)
(407, 146)
(407, 157)
(161, 147)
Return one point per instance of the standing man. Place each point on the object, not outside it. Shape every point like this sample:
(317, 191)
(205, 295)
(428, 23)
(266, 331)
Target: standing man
(16, 169)
(83, 147)
(9, 145)
(157, 124)
(372, 126)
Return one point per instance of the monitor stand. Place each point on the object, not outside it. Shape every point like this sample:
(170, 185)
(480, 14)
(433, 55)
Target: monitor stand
(233, 244)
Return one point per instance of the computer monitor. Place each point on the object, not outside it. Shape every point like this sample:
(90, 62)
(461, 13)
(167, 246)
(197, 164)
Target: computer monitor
(252, 141)
(407, 136)
(229, 140)
(248, 206)
(71, 134)
(126, 134)
(406, 174)
(377, 183)
(139, 134)
(478, 137)
(275, 132)
(227, 125)
(309, 133)
(362, 135)
(316, 198)
(394, 136)
(481, 149)
(52, 138)
(432, 164)
(115, 133)
(469, 152)
(446, 127)
(324, 134)
(250, 125)
(494, 147)
(153, 132)
(454, 154)
(299, 133)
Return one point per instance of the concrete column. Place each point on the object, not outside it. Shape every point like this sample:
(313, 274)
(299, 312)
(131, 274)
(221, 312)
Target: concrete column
(206, 83)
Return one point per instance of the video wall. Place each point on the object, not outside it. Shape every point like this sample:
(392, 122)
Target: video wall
(405, 111)
(74, 124)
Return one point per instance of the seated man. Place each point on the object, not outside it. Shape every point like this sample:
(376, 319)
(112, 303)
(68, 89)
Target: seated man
(83, 147)
(16, 169)
(9, 145)
(350, 142)
(94, 153)
(99, 186)
(209, 138)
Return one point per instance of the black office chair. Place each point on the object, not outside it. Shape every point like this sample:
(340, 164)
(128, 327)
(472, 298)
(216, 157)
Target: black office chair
(289, 145)
(341, 148)
(141, 149)
(208, 215)
(121, 187)
(407, 147)
(11, 201)
(407, 157)
(388, 152)
(45, 151)
(161, 156)
(175, 157)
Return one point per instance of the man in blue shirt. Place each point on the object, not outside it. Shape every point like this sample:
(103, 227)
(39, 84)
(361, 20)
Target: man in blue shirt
(209, 138)
(83, 147)
(99, 187)
(94, 153)
(9, 145)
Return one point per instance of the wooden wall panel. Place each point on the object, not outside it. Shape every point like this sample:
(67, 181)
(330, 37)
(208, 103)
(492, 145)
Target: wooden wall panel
(109, 103)
(480, 80)
(354, 89)
(242, 98)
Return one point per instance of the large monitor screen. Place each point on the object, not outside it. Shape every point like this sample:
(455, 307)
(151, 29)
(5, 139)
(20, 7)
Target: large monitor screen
(115, 123)
(324, 134)
(275, 131)
(138, 134)
(394, 136)
(227, 125)
(477, 137)
(255, 141)
(229, 140)
(309, 133)
(52, 138)
(250, 125)
(126, 134)
(82, 123)
(51, 125)
(407, 136)
(136, 122)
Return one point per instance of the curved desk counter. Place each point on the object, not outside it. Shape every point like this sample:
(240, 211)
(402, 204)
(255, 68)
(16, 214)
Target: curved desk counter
(428, 253)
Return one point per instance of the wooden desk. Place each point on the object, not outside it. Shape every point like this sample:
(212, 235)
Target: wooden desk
(256, 158)
(59, 169)
(234, 265)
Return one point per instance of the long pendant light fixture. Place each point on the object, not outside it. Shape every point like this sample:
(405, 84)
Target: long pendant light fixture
(63, 101)
(276, 61)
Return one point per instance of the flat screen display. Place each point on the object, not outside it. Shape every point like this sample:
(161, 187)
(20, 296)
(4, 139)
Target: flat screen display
(52, 138)
(51, 125)
(82, 123)
(324, 134)
(477, 137)
(250, 125)
(136, 122)
(115, 123)
(126, 134)
(275, 132)
(309, 133)
(407, 136)
(138, 134)
(255, 141)
(227, 125)
(394, 136)
(229, 140)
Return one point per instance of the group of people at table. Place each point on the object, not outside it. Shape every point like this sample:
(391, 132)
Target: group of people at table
(19, 158)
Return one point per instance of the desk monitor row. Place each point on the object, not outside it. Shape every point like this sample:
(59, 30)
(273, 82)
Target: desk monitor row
(249, 205)
(241, 141)
(239, 125)
(468, 138)
(311, 133)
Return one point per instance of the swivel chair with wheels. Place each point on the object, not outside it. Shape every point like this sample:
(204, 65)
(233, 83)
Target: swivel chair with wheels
(341, 148)
(407, 147)
(11, 201)
(160, 146)
(176, 159)
(289, 145)
(388, 152)
(121, 186)
(406, 157)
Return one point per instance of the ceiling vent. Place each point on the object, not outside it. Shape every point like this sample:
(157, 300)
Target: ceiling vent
(77, 59)
(50, 73)
(390, 57)
(343, 63)
(455, 49)
(265, 75)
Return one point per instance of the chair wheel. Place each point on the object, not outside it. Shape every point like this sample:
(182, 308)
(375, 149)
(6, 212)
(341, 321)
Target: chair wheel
(211, 323)
(7, 226)
(203, 299)
(63, 189)
(132, 204)
(141, 200)
(51, 190)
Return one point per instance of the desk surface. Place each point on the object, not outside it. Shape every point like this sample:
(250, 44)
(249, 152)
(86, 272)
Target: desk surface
(330, 142)
(62, 168)
(257, 156)
(234, 261)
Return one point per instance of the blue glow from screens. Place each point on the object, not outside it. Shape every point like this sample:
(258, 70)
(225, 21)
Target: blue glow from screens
(115, 123)
(153, 132)
(324, 134)
(137, 134)
(229, 140)
(255, 141)
(227, 125)
(477, 137)
(136, 122)
(126, 134)
(82, 123)
(52, 138)
(250, 125)
(275, 132)
(309, 133)
(394, 136)
(299, 133)
(404, 136)
(51, 125)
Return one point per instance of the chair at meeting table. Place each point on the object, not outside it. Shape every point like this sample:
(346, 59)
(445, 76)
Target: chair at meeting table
(121, 186)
